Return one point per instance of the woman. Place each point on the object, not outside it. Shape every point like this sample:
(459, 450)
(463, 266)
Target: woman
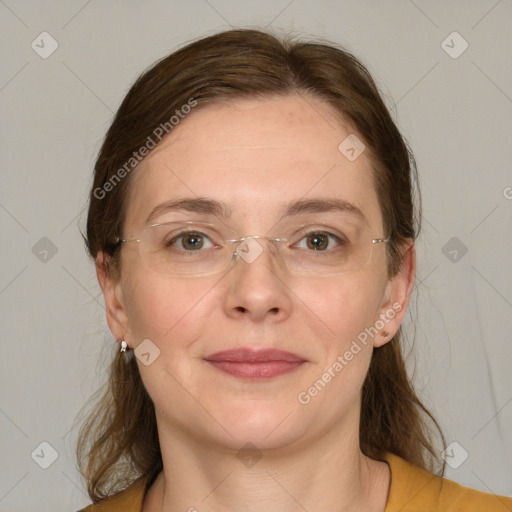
(253, 227)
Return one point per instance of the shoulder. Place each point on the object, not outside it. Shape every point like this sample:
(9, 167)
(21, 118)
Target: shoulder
(414, 489)
(129, 500)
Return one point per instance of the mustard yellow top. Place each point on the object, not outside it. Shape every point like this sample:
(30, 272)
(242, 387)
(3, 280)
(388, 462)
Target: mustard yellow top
(412, 489)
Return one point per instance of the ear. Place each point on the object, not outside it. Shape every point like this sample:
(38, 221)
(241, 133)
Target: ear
(396, 297)
(117, 318)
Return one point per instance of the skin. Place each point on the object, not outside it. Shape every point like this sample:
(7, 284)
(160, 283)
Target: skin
(256, 156)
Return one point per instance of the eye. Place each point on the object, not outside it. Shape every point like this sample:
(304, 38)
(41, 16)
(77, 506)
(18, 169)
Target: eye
(190, 241)
(319, 241)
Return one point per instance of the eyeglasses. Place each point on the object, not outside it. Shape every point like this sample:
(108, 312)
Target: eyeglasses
(190, 248)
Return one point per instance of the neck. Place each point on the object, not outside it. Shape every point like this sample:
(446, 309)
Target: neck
(329, 474)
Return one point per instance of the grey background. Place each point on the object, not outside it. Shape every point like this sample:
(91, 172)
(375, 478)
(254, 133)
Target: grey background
(455, 112)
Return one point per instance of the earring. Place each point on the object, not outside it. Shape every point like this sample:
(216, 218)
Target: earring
(124, 346)
(384, 334)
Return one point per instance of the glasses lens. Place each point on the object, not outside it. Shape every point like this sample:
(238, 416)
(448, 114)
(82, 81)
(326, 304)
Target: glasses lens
(328, 249)
(185, 248)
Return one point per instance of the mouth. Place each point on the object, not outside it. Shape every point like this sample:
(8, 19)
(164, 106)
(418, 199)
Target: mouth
(253, 364)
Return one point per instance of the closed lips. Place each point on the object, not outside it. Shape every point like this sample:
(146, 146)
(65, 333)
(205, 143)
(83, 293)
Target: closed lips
(254, 356)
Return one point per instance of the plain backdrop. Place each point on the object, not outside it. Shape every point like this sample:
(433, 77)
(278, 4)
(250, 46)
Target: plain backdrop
(453, 104)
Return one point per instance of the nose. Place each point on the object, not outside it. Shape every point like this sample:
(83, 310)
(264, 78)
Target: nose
(257, 283)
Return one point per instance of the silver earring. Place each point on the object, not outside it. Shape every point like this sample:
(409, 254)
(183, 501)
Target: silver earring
(124, 346)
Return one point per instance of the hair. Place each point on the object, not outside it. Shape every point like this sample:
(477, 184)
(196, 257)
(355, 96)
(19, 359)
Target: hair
(118, 442)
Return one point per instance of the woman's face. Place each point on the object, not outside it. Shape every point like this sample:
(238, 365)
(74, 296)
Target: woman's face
(256, 157)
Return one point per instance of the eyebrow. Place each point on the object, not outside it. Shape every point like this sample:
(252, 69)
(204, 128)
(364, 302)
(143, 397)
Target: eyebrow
(208, 206)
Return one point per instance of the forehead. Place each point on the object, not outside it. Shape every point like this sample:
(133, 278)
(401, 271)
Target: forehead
(255, 155)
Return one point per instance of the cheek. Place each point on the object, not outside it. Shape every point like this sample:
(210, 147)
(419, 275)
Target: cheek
(343, 309)
(339, 309)
(164, 309)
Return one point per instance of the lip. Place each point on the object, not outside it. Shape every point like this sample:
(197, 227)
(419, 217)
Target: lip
(255, 364)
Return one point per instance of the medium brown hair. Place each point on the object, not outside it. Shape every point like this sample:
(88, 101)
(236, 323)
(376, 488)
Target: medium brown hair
(119, 442)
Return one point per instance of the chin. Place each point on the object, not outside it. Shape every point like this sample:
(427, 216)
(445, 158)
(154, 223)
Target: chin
(266, 424)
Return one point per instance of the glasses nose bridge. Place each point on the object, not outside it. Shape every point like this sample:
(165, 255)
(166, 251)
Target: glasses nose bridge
(251, 251)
